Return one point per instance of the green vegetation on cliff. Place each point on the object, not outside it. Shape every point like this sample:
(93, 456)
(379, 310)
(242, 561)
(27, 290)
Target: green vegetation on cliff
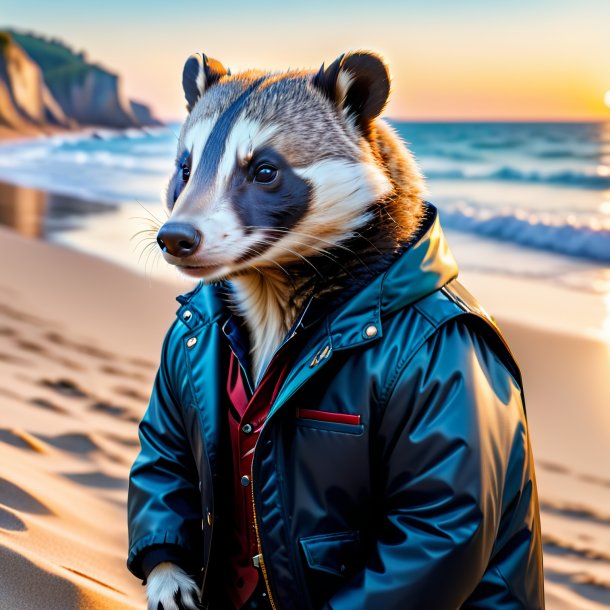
(87, 93)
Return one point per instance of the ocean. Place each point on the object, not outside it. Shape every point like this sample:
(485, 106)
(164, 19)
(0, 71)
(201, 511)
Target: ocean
(540, 192)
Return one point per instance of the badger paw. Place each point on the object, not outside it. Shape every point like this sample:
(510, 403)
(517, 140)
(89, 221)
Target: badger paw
(169, 587)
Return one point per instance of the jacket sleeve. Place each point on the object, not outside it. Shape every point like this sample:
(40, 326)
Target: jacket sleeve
(164, 507)
(453, 420)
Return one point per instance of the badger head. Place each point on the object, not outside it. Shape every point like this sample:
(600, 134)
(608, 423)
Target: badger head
(274, 168)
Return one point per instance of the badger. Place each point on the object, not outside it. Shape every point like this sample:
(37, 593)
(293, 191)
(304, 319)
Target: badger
(285, 183)
(331, 403)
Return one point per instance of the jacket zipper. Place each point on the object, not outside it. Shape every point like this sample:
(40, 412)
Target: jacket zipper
(256, 530)
(258, 542)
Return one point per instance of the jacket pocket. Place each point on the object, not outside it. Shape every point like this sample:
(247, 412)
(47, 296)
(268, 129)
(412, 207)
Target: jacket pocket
(332, 553)
(326, 420)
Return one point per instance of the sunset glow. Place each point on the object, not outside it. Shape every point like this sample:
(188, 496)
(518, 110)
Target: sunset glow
(465, 61)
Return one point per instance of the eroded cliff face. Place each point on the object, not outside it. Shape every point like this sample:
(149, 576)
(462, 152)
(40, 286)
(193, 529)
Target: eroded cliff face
(45, 84)
(94, 97)
(25, 101)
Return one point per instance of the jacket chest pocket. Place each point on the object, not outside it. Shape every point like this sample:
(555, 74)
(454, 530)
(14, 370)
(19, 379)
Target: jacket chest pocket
(327, 420)
(318, 439)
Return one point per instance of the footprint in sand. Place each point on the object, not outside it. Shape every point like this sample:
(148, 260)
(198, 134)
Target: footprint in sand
(14, 497)
(96, 479)
(121, 440)
(14, 359)
(575, 511)
(66, 387)
(114, 411)
(131, 393)
(75, 442)
(10, 521)
(30, 346)
(83, 348)
(43, 403)
(145, 364)
(117, 372)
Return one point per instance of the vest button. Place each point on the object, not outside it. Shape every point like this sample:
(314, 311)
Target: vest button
(191, 342)
(247, 428)
(187, 315)
(245, 481)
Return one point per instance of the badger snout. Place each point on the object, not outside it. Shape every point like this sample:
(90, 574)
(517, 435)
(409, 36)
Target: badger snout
(180, 239)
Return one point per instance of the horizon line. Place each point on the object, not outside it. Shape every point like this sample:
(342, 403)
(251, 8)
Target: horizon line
(469, 120)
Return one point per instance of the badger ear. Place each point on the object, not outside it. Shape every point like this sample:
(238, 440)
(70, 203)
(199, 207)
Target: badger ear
(199, 73)
(358, 82)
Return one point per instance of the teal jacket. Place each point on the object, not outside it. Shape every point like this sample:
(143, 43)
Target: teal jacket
(425, 498)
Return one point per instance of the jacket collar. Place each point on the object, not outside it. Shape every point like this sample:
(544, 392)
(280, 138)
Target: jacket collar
(424, 267)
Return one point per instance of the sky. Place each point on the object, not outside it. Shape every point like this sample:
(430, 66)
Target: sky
(449, 59)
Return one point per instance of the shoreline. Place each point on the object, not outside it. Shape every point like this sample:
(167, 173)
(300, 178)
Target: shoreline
(104, 229)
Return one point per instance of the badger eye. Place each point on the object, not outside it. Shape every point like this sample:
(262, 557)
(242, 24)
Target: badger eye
(186, 172)
(265, 174)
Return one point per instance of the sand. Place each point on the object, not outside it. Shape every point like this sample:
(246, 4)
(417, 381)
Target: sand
(79, 344)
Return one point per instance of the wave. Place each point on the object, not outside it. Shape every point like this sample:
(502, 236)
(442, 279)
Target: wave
(585, 236)
(588, 179)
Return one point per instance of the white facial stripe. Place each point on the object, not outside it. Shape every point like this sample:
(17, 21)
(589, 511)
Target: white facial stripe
(222, 232)
(193, 141)
(196, 137)
(245, 137)
(343, 191)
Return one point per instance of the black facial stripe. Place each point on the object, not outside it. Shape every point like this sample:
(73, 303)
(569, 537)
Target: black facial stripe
(279, 205)
(176, 183)
(215, 145)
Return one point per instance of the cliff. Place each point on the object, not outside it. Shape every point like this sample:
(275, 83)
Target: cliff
(25, 101)
(44, 83)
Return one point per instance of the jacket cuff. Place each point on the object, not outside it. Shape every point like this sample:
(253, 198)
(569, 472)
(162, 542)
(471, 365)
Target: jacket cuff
(141, 546)
(157, 554)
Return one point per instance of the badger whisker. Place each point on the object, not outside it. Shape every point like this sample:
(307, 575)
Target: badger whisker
(293, 252)
(260, 255)
(147, 248)
(150, 213)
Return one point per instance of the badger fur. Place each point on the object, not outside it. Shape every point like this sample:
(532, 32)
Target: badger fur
(288, 185)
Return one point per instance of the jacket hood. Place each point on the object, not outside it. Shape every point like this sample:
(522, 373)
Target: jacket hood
(422, 268)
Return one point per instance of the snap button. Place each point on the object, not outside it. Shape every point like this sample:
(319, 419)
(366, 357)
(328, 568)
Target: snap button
(245, 481)
(191, 342)
(247, 428)
(187, 315)
(210, 518)
(370, 330)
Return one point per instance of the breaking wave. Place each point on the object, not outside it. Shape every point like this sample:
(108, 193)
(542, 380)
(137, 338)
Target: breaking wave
(580, 235)
(585, 178)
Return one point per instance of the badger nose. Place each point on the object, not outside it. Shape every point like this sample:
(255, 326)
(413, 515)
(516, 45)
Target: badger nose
(178, 238)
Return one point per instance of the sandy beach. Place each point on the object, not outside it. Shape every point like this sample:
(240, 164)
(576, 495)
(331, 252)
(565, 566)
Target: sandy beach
(79, 342)
(76, 365)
